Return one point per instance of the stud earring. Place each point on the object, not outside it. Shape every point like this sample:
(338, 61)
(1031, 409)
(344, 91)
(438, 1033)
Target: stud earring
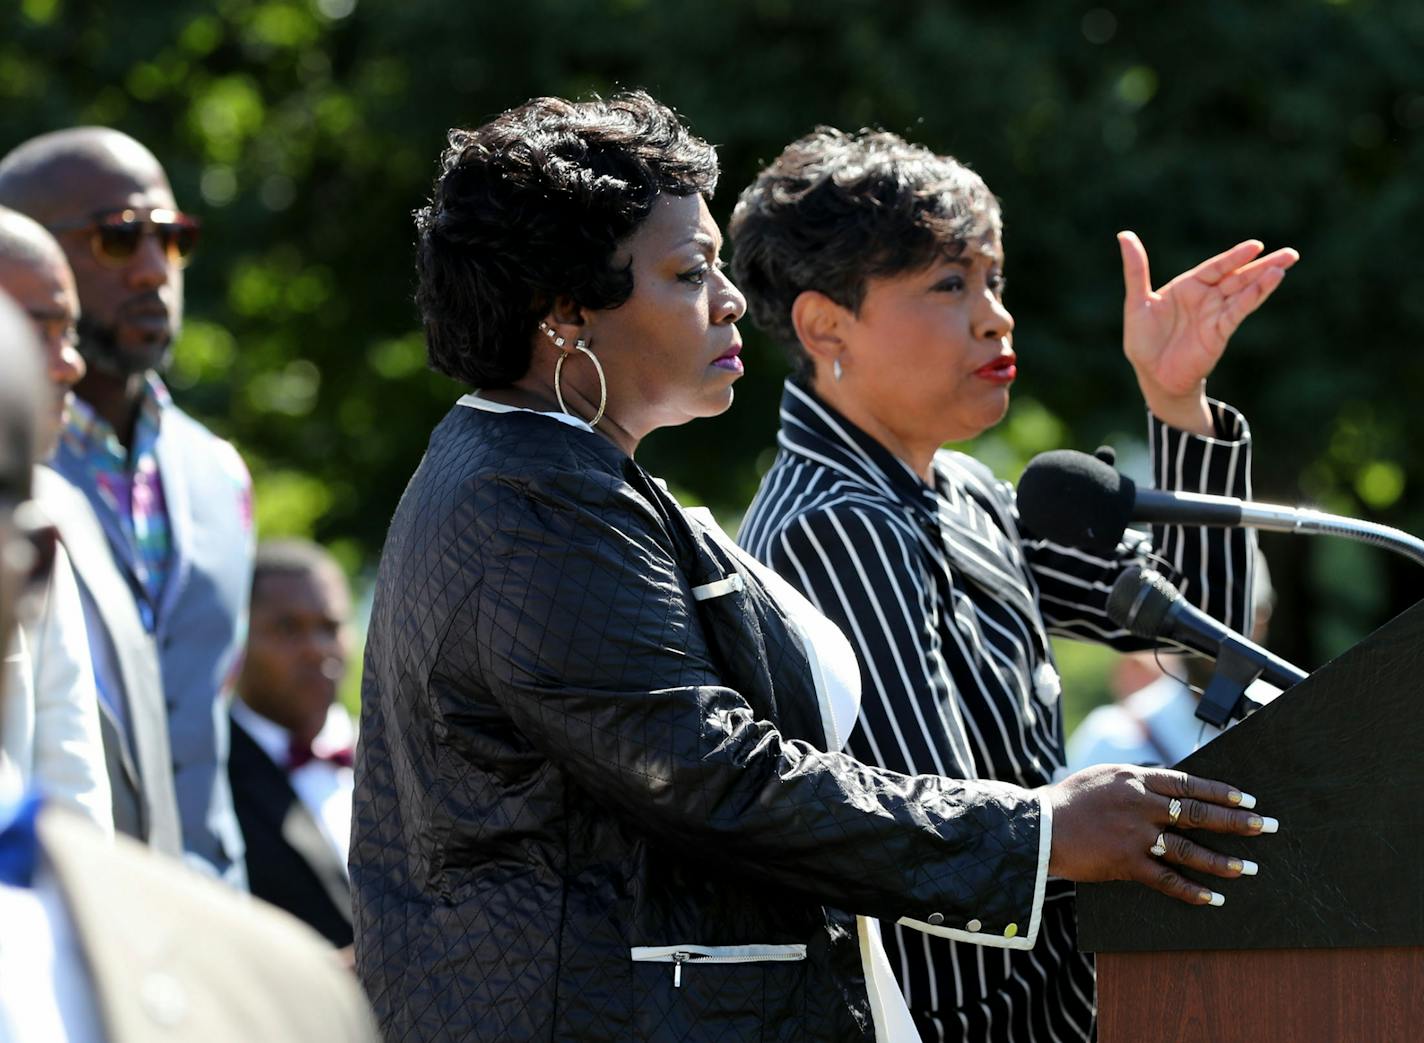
(836, 370)
(549, 332)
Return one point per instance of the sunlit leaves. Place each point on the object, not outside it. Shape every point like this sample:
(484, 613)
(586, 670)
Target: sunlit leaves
(282, 25)
(40, 12)
(1380, 483)
(226, 113)
(290, 391)
(288, 503)
(205, 355)
(304, 132)
(398, 357)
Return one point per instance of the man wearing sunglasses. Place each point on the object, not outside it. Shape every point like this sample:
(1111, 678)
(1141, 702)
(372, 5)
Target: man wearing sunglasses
(173, 500)
(92, 632)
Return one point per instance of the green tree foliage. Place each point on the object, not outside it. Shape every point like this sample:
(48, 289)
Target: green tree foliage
(306, 131)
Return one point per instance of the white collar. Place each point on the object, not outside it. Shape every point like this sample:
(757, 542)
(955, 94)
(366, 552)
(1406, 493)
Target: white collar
(474, 401)
(274, 740)
(337, 732)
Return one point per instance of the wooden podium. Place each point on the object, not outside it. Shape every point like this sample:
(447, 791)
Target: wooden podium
(1327, 942)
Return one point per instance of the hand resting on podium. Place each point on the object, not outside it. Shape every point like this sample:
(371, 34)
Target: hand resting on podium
(1115, 822)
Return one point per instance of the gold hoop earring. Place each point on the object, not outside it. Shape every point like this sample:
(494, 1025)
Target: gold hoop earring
(581, 345)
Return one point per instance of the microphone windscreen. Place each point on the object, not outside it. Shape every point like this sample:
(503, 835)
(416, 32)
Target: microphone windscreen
(1075, 499)
(1140, 600)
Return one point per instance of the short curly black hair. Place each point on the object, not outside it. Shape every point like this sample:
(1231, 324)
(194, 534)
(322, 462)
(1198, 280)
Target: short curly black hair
(835, 209)
(532, 206)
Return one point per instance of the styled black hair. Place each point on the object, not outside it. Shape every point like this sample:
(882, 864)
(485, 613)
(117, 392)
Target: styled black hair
(532, 206)
(835, 209)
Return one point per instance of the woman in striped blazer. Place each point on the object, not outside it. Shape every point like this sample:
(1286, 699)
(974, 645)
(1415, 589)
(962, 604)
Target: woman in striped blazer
(880, 266)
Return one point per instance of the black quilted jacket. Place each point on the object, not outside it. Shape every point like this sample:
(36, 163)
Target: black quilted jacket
(590, 806)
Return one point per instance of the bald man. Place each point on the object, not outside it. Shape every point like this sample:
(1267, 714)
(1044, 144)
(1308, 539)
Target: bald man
(51, 737)
(102, 940)
(35, 274)
(73, 725)
(174, 501)
(21, 394)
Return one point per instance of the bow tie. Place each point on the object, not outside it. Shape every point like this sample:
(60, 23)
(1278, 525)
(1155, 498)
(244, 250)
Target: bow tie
(300, 753)
(19, 847)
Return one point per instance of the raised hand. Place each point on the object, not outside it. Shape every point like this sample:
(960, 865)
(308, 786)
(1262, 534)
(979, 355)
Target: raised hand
(1108, 821)
(1174, 336)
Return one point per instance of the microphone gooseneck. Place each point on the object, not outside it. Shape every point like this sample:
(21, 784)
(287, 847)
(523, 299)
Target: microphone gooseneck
(1080, 501)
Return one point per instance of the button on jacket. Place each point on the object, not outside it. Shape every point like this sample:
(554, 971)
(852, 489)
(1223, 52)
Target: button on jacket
(948, 606)
(587, 804)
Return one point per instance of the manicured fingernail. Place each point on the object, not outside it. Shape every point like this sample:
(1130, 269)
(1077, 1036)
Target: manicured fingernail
(1264, 824)
(1244, 800)
(1244, 866)
(1211, 897)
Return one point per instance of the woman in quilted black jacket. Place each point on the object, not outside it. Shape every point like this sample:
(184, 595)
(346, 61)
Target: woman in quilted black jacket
(600, 791)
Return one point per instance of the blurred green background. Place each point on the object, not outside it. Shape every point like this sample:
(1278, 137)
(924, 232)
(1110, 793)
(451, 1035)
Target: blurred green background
(304, 132)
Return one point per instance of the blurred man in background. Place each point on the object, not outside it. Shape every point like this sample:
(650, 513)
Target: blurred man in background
(51, 730)
(292, 742)
(103, 941)
(174, 501)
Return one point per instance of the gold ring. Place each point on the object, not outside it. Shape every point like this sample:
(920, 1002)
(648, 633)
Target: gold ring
(1174, 811)
(1160, 848)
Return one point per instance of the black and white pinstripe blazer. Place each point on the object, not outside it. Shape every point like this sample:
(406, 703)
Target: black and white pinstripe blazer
(949, 606)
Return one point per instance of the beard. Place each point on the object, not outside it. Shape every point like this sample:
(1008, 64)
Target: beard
(99, 344)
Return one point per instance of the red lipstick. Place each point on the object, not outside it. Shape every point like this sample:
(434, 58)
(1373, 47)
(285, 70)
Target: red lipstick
(1003, 370)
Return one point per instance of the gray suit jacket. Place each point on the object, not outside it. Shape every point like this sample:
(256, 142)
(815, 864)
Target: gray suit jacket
(140, 767)
(174, 956)
(199, 621)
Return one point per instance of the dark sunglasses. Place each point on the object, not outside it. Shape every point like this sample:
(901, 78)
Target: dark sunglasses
(115, 235)
(32, 548)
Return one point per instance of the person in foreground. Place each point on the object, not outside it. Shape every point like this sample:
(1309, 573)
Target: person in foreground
(880, 266)
(600, 790)
(103, 939)
(52, 734)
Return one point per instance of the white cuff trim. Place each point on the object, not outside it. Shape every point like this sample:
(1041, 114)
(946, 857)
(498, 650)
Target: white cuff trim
(718, 588)
(1025, 939)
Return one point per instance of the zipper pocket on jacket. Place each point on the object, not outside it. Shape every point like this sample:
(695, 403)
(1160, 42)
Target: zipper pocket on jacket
(677, 955)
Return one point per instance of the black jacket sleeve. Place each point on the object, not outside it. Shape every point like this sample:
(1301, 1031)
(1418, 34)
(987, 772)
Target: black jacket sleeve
(585, 630)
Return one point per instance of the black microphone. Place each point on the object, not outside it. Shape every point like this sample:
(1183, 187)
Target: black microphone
(1082, 501)
(1145, 604)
